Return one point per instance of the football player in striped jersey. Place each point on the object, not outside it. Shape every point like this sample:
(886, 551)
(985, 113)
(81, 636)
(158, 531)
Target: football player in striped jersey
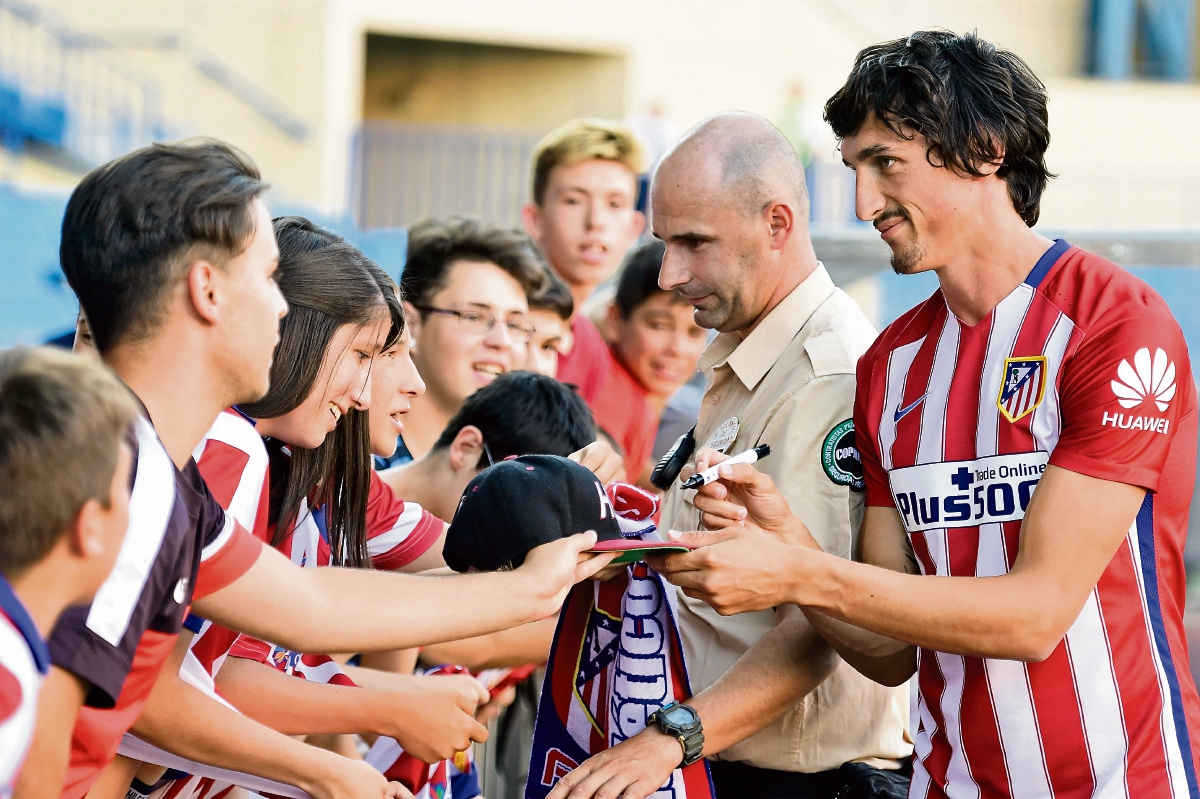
(1027, 437)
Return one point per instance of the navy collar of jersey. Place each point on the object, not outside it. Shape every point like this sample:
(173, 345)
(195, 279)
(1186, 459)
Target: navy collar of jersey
(12, 607)
(244, 415)
(1046, 262)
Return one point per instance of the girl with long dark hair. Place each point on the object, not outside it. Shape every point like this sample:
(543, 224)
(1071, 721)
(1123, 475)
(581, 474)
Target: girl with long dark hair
(295, 469)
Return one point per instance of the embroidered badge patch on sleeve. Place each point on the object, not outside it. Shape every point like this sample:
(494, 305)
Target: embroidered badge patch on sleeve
(839, 457)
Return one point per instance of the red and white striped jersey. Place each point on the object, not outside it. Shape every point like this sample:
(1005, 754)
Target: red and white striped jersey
(398, 532)
(1082, 367)
(24, 660)
(235, 465)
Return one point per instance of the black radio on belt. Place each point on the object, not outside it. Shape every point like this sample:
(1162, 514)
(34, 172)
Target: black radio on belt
(674, 460)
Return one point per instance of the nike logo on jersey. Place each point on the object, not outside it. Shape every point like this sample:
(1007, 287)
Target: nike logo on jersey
(902, 412)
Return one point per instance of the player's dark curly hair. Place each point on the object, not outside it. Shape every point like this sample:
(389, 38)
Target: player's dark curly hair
(972, 101)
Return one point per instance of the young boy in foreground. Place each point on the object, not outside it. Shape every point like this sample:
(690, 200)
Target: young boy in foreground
(64, 508)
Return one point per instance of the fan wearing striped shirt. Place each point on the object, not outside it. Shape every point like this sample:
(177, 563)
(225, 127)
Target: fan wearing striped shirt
(172, 254)
(294, 468)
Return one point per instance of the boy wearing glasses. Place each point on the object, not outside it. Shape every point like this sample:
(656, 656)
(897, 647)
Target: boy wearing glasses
(465, 286)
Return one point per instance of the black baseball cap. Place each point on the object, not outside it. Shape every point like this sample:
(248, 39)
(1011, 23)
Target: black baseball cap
(522, 503)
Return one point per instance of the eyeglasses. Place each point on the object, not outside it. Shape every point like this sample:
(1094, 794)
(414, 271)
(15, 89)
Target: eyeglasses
(482, 323)
(488, 453)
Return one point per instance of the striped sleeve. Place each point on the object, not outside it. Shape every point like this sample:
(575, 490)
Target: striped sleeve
(97, 642)
(234, 464)
(398, 532)
(1124, 393)
(229, 550)
(18, 701)
(865, 435)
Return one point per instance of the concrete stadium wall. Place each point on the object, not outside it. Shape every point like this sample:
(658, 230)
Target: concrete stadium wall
(1114, 145)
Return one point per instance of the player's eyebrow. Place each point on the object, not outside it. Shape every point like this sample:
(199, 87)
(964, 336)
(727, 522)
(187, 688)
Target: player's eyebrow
(870, 152)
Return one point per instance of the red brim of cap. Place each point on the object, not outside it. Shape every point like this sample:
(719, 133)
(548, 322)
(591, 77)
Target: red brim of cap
(631, 550)
(627, 544)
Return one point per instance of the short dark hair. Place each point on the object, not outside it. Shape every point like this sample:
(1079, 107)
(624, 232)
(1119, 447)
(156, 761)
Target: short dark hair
(434, 245)
(62, 419)
(134, 225)
(524, 413)
(555, 298)
(638, 281)
(972, 101)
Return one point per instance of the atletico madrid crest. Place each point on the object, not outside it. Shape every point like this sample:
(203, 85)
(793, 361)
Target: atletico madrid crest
(1024, 386)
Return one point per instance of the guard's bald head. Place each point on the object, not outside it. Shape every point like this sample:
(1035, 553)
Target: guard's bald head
(741, 158)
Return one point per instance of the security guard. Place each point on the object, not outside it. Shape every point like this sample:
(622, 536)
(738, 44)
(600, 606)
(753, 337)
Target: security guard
(779, 714)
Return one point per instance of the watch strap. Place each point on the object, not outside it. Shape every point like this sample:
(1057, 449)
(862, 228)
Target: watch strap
(693, 747)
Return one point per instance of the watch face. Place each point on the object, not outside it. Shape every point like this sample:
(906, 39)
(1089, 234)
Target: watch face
(680, 716)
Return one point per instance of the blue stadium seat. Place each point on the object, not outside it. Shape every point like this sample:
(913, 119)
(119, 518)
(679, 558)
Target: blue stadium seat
(43, 119)
(36, 304)
(10, 113)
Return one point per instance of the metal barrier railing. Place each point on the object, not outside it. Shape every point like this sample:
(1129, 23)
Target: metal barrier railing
(402, 173)
(109, 107)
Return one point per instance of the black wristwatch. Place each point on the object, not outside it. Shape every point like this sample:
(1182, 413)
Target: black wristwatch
(683, 724)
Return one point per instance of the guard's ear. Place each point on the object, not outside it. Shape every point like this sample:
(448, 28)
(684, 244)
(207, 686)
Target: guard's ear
(781, 221)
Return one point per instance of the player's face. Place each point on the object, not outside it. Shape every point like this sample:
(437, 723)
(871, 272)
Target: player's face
(587, 221)
(916, 207)
(250, 329)
(343, 383)
(548, 342)
(660, 343)
(394, 384)
(716, 252)
(456, 360)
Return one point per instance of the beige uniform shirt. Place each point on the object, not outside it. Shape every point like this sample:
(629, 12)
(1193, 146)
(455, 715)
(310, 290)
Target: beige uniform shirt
(790, 383)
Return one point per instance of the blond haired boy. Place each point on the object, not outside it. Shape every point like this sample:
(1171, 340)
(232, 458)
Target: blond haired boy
(584, 217)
